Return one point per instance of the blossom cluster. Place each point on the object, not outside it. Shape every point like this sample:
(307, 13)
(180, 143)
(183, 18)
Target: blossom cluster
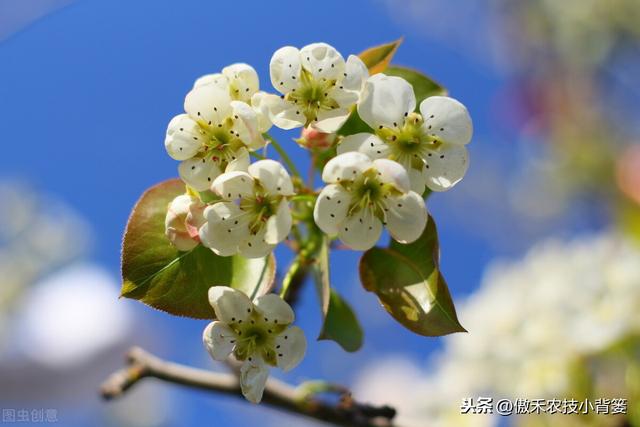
(375, 179)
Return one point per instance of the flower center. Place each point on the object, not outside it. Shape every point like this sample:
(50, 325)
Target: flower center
(312, 96)
(256, 336)
(411, 142)
(370, 193)
(260, 206)
(220, 142)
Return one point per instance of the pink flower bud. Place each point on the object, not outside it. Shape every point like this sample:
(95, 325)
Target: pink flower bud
(315, 140)
(184, 217)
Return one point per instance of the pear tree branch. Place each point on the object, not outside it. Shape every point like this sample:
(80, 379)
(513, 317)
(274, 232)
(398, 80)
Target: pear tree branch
(277, 394)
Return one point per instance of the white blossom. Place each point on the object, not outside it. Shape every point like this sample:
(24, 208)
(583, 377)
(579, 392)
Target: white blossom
(241, 80)
(214, 136)
(318, 87)
(434, 401)
(242, 83)
(257, 333)
(184, 218)
(362, 195)
(254, 213)
(430, 145)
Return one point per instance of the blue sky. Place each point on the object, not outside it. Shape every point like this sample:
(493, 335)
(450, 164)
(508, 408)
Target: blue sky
(85, 97)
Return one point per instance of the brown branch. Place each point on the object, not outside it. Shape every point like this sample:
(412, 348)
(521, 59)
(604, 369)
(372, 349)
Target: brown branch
(277, 394)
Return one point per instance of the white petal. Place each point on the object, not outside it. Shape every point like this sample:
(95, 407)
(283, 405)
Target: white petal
(230, 305)
(278, 226)
(322, 61)
(246, 124)
(222, 213)
(331, 208)
(219, 339)
(254, 245)
(253, 378)
(418, 178)
(175, 223)
(181, 239)
(290, 350)
(212, 237)
(241, 161)
(393, 173)
(218, 80)
(274, 309)
(360, 231)
(345, 167)
(243, 81)
(366, 143)
(273, 176)
(329, 121)
(447, 166)
(344, 98)
(261, 108)
(447, 118)
(385, 100)
(208, 104)
(284, 69)
(406, 217)
(195, 217)
(357, 74)
(225, 229)
(233, 185)
(184, 138)
(179, 207)
(199, 173)
(286, 115)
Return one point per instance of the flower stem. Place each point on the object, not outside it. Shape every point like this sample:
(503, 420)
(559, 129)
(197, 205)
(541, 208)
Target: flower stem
(304, 198)
(289, 278)
(257, 155)
(283, 155)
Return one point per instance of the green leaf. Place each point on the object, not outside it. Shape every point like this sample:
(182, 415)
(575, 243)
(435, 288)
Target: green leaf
(423, 86)
(323, 281)
(157, 274)
(353, 125)
(339, 321)
(341, 325)
(377, 58)
(410, 286)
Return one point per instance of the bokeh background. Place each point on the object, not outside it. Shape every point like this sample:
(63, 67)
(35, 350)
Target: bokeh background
(539, 241)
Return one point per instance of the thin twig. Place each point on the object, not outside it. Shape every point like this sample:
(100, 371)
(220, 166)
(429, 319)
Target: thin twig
(277, 394)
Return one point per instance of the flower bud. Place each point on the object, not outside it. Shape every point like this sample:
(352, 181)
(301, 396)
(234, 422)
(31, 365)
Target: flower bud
(315, 140)
(184, 217)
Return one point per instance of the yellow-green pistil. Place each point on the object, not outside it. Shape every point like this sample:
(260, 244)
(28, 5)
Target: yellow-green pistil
(220, 142)
(412, 143)
(312, 96)
(369, 192)
(257, 336)
(260, 206)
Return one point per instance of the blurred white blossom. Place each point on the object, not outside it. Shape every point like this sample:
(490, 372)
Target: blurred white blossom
(72, 315)
(37, 234)
(530, 320)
